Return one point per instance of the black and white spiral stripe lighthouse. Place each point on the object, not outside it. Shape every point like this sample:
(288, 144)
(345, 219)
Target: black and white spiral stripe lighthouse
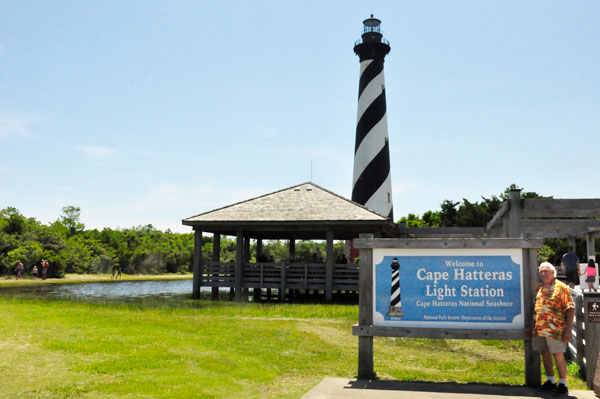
(372, 181)
(395, 295)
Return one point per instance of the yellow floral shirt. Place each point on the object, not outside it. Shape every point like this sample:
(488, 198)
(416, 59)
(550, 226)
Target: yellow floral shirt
(551, 304)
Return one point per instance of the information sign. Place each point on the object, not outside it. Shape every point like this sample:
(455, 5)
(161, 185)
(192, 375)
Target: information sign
(448, 288)
(593, 311)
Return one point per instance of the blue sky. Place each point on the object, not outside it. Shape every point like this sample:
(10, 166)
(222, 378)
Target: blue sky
(151, 111)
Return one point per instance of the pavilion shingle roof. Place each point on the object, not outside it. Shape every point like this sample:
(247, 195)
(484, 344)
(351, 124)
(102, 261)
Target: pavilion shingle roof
(302, 203)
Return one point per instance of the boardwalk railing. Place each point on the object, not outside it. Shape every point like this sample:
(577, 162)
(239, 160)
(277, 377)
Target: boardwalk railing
(218, 274)
(576, 348)
(585, 346)
(281, 275)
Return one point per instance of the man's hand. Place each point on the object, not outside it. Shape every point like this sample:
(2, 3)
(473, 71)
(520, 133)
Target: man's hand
(568, 331)
(567, 335)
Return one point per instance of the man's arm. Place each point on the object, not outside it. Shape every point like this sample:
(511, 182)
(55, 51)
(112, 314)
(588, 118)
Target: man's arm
(568, 331)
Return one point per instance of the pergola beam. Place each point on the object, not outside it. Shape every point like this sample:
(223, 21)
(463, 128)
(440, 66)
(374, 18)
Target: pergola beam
(197, 264)
(329, 267)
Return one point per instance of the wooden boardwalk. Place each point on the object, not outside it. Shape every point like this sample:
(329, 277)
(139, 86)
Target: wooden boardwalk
(281, 276)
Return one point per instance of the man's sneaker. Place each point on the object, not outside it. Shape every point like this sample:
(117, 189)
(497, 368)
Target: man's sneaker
(561, 389)
(548, 386)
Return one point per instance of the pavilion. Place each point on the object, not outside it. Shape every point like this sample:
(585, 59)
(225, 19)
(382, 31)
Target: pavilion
(303, 212)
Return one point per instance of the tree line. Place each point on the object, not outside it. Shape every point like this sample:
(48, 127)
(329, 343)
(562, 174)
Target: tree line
(70, 248)
(478, 214)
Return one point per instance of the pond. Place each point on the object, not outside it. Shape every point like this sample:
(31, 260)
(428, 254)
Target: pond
(153, 292)
(111, 290)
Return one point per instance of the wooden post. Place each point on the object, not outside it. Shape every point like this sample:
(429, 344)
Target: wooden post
(591, 245)
(592, 339)
(216, 258)
(259, 253)
(597, 378)
(259, 248)
(239, 265)
(257, 291)
(246, 249)
(505, 225)
(579, 346)
(329, 267)
(514, 230)
(256, 294)
(246, 260)
(572, 243)
(197, 266)
(282, 288)
(246, 257)
(533, 374)
(292, 250)
(365, 311)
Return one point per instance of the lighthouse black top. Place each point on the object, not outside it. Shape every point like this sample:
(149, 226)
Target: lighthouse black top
(372, 45)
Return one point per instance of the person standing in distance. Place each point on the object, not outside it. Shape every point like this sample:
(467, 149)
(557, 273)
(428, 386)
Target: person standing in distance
(552, 328)
(570, 266)
(19, 270)
(590, 272)
(45, 265)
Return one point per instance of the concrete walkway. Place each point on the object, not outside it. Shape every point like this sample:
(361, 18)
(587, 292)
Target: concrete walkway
(342, 388)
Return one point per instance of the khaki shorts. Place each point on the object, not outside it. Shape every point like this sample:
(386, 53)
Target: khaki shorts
(548, 344)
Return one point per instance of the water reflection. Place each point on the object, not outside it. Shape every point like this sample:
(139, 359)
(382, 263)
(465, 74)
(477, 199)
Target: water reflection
(107, 290)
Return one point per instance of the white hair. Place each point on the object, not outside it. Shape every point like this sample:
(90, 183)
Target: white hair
(549, 266)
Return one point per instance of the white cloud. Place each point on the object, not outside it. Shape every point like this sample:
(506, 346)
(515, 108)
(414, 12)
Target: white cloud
(11, 126)
(99, 152)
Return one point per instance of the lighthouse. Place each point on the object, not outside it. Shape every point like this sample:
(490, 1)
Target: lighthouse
(372, 180)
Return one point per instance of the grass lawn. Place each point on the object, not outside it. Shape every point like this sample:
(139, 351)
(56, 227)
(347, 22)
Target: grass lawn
(179, 348)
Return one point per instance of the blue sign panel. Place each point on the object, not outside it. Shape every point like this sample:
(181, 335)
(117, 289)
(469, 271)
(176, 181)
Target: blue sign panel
(462, 291)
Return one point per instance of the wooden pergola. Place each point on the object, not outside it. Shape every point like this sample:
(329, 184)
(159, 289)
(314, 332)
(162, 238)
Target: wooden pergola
(303, 212)
(533, 218)
(548, 218)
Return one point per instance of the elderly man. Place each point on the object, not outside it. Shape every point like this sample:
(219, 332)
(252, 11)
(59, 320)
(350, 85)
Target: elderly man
(554, 311)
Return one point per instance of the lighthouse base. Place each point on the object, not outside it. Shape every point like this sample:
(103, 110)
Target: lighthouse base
(395, 311)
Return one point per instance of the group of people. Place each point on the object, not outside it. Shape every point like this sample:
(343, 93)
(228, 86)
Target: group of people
(19, 268)
(571, 268)
(554, 312)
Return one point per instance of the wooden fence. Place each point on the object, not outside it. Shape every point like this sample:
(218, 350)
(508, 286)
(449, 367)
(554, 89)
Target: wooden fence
(581, 349)
(575, 349)
(281, 276)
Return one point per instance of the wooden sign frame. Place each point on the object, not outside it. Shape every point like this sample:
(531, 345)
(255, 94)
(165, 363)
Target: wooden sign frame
(366, 331)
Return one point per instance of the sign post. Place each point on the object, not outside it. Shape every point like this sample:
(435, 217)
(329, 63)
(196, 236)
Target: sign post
(447, 288)
(591, 306)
